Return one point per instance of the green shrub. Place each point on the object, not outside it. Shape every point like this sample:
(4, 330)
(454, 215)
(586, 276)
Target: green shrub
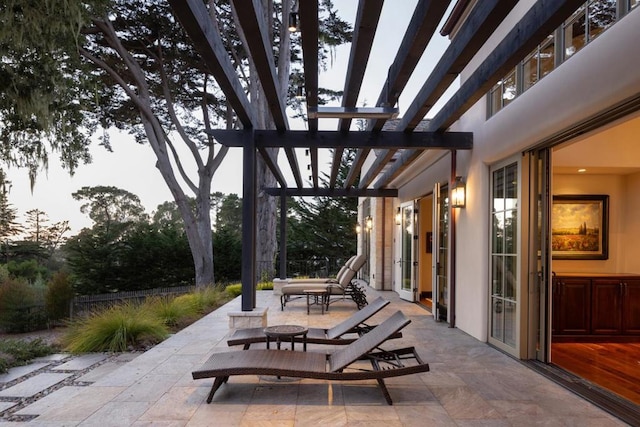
(58, 296)
(233, 290)
(115, 329)
(18, 352)
(21, 307)
(171, 311)
(236, 289)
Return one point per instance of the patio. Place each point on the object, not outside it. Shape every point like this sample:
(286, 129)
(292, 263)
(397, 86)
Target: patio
(470, 383)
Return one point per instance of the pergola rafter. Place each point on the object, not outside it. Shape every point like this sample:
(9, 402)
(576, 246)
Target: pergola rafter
(474, 27)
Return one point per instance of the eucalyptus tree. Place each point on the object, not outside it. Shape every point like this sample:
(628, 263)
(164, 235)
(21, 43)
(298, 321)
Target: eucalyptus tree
(70, 68)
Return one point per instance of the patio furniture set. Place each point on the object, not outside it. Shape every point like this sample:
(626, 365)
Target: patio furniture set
(358, 346)
(319, 291)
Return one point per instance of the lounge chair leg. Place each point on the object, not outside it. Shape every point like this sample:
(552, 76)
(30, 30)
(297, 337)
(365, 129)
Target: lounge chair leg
(216, 385)
(385, 391)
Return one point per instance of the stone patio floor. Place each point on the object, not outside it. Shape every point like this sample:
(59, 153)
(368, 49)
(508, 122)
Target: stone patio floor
(470, 383)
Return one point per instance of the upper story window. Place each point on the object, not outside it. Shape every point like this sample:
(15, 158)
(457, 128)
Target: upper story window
(503, 92)
(590, 20)
(538, 63)
(587, 23)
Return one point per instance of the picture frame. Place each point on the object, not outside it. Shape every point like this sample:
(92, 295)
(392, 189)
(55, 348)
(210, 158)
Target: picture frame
(580, 227)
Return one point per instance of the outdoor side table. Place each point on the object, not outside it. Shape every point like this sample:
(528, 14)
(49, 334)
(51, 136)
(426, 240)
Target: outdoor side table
(286, 332)
(316, 297)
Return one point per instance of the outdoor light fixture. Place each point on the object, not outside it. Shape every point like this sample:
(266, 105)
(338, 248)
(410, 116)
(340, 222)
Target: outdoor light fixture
(293, 22)
(398, 217)
(458, 196)
(299, 93)
(358, 228)
(368, 223)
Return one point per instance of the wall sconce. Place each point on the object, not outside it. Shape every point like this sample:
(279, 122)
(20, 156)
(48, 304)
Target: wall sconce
(293, 22)
(458, 193)
(368, 223)
(358, 228)
(398, 217)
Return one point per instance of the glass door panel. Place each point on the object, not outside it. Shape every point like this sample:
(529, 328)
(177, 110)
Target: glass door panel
(405, 283)
(504, 256)
(441, 262)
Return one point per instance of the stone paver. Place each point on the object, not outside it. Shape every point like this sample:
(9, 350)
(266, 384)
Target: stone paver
(59, 397)
(33, 385)
(20, 371)
(470, 384)
(81, 362)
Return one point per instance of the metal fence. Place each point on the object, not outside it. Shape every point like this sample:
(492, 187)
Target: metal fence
(84, 303)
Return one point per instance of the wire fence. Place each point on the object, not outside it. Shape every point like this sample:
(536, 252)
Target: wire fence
(85, 303)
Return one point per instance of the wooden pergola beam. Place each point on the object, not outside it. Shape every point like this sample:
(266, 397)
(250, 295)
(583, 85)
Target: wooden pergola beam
(308, 13)
(473, 33)
(542, 19)
(251, 18)
(332, 139)
(367, 19)
(332, 192)
(195, 19)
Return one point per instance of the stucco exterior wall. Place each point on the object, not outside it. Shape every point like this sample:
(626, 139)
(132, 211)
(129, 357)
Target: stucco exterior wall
(599, 76)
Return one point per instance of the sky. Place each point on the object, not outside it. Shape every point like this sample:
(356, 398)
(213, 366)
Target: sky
(132, 166)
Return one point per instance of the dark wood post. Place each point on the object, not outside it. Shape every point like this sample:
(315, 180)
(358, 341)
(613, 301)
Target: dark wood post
(283, 236)
(248, 274)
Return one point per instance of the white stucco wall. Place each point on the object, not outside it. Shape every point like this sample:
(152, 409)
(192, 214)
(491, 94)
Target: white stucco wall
(601, 75)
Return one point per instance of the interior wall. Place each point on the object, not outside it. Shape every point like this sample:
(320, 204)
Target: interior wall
(631, 225)
(616, 188)
(425, 258)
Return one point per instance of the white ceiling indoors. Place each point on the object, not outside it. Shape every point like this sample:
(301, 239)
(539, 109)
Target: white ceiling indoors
(614, 149)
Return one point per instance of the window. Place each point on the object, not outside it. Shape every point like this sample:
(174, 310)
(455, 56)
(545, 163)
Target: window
(503, 92)
(590, 20)
(538, 63)
(504, 255)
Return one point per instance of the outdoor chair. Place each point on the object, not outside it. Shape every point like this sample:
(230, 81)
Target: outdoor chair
(344, 286)
(336, 279)
(353, 325)
(344, 364)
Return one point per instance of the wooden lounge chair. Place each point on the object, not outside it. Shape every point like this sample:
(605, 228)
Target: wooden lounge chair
(342, 286)
(335, 366)
(354, 324)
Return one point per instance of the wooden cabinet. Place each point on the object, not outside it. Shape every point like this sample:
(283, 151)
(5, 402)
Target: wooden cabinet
(606, 308)
(571, 305)
(602, 306)
(631, 307)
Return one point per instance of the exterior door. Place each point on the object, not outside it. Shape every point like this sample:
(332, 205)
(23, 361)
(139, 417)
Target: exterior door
(540, 274)
(505, 286)
(407, 262)
(440, 253)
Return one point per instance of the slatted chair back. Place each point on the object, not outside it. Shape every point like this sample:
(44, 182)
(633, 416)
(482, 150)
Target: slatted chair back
(357, 318)
(348, 354)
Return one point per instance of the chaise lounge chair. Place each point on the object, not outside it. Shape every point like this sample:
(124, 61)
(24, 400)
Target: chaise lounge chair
(342, 286)
(353, 324)
(335, 366)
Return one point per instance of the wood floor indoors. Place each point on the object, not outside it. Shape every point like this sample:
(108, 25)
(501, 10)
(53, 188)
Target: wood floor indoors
(613, 366)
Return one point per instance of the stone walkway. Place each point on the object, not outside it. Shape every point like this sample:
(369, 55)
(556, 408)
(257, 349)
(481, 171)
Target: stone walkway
(470, 384)
(27, 391)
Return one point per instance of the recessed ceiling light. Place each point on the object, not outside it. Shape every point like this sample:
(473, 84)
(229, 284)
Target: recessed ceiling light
(582, 170)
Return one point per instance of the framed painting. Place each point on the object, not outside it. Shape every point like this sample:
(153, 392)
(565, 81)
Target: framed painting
(579, 227)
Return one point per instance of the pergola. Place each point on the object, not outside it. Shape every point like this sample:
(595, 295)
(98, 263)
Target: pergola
(395, 150)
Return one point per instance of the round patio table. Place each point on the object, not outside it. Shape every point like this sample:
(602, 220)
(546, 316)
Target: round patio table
(286, 332)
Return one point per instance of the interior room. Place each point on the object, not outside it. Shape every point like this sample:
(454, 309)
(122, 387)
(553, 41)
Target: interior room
(596, 299)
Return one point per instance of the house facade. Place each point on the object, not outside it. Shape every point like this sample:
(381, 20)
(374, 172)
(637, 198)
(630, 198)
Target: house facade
(544, 245)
